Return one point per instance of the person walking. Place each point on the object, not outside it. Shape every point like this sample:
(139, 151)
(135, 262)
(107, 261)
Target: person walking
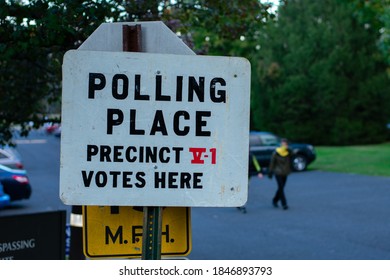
(280, 165)
(253, 169)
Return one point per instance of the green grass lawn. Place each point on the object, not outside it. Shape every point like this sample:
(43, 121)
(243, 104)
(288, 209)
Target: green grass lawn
(365, 159)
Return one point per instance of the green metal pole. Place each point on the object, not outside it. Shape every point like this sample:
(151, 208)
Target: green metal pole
(151, 235)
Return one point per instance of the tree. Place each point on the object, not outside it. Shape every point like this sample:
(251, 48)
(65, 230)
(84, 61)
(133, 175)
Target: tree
(215, 27)
(222, 28)
(34, 35)
(321, 76)
(375, 15)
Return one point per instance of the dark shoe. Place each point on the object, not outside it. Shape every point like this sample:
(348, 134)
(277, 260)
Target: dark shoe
(243, 209)
(275, 204)
(285, 207)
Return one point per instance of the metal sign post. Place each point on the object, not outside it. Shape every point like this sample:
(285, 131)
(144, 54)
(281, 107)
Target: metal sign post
(151, 234)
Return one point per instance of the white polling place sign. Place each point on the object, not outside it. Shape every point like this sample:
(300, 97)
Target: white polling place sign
(145, 129)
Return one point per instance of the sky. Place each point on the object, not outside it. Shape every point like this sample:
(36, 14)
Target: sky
(274, 2)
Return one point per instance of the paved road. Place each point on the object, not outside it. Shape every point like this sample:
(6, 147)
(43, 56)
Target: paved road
(331, 216)
(41, 158)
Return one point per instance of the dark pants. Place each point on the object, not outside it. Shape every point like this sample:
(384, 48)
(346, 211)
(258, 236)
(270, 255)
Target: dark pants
(281, 180)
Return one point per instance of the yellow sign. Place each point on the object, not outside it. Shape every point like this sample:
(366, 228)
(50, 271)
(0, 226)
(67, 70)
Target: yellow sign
(116, 231)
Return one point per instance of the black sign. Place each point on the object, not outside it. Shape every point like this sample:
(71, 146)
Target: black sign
(39, 236)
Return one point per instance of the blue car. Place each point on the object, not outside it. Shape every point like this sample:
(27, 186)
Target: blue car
(15, 183)
(5, 200)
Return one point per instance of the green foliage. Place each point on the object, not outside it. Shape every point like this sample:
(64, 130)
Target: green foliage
(135, 10)
(321, 76)
(218, 27)
(375, 15)
(318, 67)
(34, 35)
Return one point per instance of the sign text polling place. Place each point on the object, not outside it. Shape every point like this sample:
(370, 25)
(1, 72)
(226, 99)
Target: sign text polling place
(147, 129)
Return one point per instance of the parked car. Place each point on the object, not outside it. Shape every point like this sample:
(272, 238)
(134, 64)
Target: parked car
(5, 200)
(57, 132)
(15, 183)
(51, 127)
(263, 144)
(10, 157)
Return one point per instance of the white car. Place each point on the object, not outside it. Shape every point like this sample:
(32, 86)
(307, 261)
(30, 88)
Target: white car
(10, 157)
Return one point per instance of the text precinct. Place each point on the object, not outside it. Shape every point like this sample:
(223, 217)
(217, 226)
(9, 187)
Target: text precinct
(154, 130)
